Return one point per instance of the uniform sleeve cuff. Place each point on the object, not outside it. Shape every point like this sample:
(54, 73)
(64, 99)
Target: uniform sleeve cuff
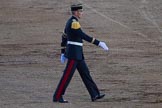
(63, 49)
(95, 41)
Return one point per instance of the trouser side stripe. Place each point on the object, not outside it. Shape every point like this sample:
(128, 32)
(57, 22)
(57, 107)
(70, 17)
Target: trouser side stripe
(65, 77)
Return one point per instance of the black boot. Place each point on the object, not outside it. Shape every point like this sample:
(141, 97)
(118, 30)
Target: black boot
(61, 100)
(100, 96)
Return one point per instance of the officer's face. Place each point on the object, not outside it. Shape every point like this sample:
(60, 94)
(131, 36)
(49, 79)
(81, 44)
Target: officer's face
(79, 13)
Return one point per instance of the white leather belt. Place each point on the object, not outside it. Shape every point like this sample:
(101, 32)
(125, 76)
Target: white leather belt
(75, 43)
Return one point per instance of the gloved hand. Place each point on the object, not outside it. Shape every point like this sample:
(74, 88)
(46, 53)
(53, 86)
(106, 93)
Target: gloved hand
(103, 45)
(63, 58)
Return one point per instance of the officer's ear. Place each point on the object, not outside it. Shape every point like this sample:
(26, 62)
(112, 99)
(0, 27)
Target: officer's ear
(73, 12)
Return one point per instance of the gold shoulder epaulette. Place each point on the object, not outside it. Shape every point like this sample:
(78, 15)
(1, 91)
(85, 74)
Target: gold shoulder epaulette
(75, 24)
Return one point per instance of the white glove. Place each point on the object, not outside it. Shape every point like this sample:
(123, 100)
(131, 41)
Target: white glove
(63, 58)
(103, 45)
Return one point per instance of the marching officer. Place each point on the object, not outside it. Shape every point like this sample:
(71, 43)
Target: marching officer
(72, 51)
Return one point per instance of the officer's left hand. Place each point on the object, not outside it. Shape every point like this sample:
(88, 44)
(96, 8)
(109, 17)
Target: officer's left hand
(103, 45)
(63, 58)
